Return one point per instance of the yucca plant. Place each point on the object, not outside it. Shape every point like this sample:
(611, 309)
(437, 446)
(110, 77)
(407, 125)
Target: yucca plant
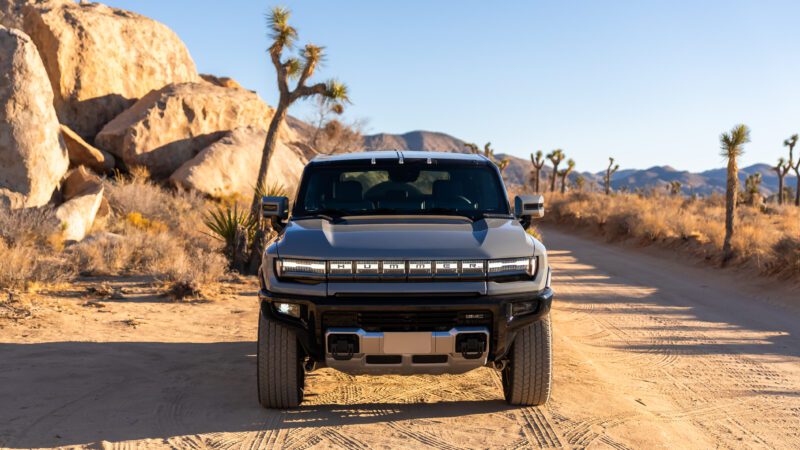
(673, 187)
(752, 187)
(565, 173)
(791, 142)
(488, 152)
(273, 190)
(732, 145)
(781, 169)
(538, 164)
(612, 168)
(555, 157)
(300, 68)
(236, 228)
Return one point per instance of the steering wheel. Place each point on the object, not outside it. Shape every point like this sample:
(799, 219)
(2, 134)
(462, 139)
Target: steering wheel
(461, 202)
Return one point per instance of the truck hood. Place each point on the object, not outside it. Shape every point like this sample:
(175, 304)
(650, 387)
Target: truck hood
(412, 237)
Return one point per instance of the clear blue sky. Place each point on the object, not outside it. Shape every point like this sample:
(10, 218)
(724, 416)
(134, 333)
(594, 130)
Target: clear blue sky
(649, 82)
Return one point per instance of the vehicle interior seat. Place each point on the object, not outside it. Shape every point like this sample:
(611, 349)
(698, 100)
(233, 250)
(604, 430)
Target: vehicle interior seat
(348, 195)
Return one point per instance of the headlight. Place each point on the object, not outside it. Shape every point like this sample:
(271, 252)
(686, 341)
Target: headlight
(300, 268)
(512, 266)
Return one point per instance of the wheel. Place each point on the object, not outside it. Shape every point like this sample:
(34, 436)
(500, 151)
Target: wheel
(280, 371)
(529, 372)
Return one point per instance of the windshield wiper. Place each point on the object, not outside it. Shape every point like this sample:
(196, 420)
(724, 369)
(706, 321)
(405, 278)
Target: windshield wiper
(488, 215)
(448, 212)
(329, 214)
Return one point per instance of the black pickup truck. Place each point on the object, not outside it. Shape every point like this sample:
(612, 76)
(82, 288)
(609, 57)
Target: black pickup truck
(403, 262)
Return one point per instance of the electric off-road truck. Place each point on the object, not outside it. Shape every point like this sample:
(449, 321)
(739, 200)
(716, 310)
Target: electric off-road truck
(400, 262)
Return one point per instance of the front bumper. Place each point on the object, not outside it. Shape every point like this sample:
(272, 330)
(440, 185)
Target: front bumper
(410, 313)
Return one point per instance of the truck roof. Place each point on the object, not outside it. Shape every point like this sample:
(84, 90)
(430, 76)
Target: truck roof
(397, 155)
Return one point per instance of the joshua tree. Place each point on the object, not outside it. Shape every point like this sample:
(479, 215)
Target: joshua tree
(791, 142)
(674, 187)
(302, 69)
(555, 157)
(732, 144)
(752, 187)
(609, 172)
(538, 164)
(580, 183)
(488, 152)
(324, 109)
(781, 169)
(565, 173)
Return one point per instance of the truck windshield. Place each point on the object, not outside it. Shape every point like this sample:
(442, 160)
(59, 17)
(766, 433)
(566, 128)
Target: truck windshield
(388, 188)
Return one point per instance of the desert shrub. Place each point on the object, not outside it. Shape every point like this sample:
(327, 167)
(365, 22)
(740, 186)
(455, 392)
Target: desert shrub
(31, 226)
(22, 266)
(786, 261)
(763, 239)
(152, 231)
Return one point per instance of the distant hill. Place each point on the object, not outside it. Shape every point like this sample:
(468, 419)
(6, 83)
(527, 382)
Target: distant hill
(415, 140)
(518, 170)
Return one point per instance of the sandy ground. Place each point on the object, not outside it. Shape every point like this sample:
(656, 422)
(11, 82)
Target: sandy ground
(650, 352)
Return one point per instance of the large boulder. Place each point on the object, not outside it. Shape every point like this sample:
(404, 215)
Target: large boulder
(33, 157)
(221, 81)
(101, 60)
(77, 215)
(170, 126)
(83, 200)
(12, 11)
(81, 153)
(230, 166)
(79, 182)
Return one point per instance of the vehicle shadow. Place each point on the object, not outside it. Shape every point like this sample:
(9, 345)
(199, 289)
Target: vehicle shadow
(79, 393)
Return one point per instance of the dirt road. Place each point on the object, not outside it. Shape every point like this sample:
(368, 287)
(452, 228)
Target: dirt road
(649, 353)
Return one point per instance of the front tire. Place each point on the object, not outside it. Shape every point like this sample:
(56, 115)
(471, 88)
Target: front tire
(280, 371)
(528, 375)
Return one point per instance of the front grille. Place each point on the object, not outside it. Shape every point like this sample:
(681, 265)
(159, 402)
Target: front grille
(406, 320)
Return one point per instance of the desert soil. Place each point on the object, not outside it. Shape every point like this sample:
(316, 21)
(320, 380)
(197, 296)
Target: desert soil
(650, 352)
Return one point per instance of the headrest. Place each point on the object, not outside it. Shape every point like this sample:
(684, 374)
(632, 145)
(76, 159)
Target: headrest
(348, 191)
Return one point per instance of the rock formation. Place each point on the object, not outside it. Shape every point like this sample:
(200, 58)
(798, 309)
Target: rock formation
(83, 199)
(82, 153)
(33, 157)
(221, 81)
(100, 60)
(170, 126)
(230, 165)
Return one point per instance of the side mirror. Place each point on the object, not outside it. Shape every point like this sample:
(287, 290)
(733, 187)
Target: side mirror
(527, 207)
(275, 209)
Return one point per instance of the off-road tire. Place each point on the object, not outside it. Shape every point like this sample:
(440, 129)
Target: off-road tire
(280, 365)
(529, 372)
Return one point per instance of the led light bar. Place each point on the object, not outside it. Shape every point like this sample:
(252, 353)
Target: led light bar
(420, 268)
(509, 265)
(367, 268)
(473, 267)
(394, 269)
(340, 267)
(446, 267)
(300, 267)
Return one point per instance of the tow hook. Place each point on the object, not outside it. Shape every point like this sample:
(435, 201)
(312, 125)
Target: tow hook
(342, 346)
(501, 365)
(471, 345)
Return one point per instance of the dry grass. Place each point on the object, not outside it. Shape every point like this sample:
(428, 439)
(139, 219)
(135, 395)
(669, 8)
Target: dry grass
(30, 249)
(154, 232)
(768, 240)
(150, 231)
